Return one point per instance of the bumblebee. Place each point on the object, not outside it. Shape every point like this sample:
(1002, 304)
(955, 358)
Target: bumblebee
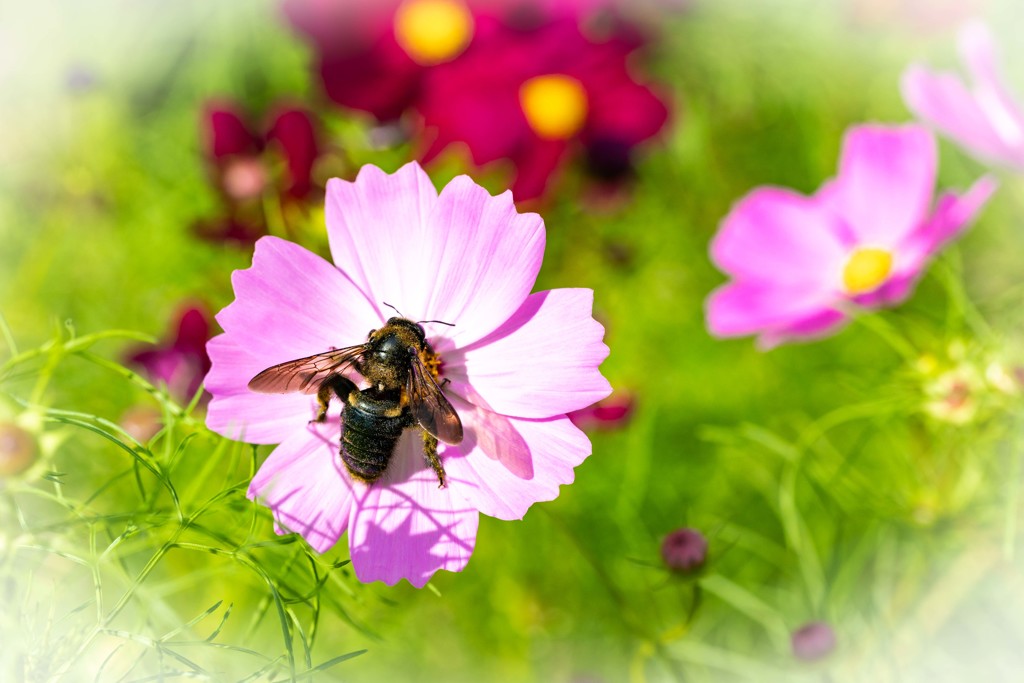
(401, 369)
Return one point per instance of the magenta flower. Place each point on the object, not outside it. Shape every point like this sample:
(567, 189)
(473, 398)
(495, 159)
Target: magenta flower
(798, 263)
(245, 163)
(985, 118)
(611, 413)
(373, 57)
(536, 96)
(461, 257)
(180, 363)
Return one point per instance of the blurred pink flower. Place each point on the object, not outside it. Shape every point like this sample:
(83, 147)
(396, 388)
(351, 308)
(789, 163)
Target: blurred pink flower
(610, 413)
(245, 163)
(797, 262)
(516, 364)
(533, 96)
(179, 363)
(985, 118)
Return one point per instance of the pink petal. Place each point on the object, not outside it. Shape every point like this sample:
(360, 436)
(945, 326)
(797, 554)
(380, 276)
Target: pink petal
(464, 257)
(304, 482)
(990, 92)
(377, 228)
(953, 214)
(776, 235)
(290, 304)
(507, 464)
(942, 100)
(886, 181)
(405, 527)
(742, 308)
(542, 362)
(483, 258)
(240, 414)
(821, 325)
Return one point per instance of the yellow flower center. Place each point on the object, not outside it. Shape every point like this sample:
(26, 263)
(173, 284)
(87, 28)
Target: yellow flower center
(866, 269)
(555, 105)
(433, 31)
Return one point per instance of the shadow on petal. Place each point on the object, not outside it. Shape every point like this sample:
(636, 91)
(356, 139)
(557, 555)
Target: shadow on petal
(404, 527)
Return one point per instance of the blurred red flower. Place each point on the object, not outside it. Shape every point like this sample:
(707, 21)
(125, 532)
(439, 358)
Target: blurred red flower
(372, 56)
(537, 96)
(180, 363)
(246, 162)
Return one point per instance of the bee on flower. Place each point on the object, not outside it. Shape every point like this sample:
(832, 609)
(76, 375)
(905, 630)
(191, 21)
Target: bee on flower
(511, 364)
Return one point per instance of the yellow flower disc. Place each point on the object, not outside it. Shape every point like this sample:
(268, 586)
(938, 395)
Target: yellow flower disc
(555, 105)
(866, 269)
(433, 31)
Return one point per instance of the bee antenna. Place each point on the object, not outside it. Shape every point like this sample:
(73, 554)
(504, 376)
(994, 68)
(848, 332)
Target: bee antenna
(392, 308)
(439, 322)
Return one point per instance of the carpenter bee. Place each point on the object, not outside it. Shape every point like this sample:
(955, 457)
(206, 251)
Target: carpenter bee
(401, 369)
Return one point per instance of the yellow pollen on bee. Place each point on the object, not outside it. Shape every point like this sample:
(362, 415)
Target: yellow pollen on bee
(866, 269)
(555, 105)
(433, 31)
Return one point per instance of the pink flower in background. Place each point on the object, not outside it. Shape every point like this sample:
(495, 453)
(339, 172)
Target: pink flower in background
(245, 163)
(607, 414)
(797, 263)
(536, 96)
(181, 363)
(985, 118)
(462, 257)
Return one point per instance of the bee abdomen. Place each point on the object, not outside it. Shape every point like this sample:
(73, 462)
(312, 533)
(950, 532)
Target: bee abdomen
(372, 425)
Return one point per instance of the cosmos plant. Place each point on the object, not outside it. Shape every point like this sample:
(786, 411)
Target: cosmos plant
(985, 117)
(514, 365)
(800, 265)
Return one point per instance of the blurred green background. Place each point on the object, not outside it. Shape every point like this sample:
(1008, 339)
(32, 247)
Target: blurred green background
(828, 484)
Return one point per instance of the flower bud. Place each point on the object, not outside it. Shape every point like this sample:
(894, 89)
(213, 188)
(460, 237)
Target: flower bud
(684, 550)
(813, 641)
(17, 449)
(142, 422)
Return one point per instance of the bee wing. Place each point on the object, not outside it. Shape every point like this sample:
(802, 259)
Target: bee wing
(429, 406)
(305, 374)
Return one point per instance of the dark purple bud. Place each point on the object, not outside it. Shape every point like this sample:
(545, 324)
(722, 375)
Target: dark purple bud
(17, 449)
(813, 641)
(684, 550)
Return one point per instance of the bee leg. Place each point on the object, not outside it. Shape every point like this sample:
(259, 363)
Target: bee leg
(339, 386)
(430, 451)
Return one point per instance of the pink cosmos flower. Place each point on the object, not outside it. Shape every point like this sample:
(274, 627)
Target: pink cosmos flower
(180, 363)
(798, 263)
(516, 364)
(985, 118)
(536, 96)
